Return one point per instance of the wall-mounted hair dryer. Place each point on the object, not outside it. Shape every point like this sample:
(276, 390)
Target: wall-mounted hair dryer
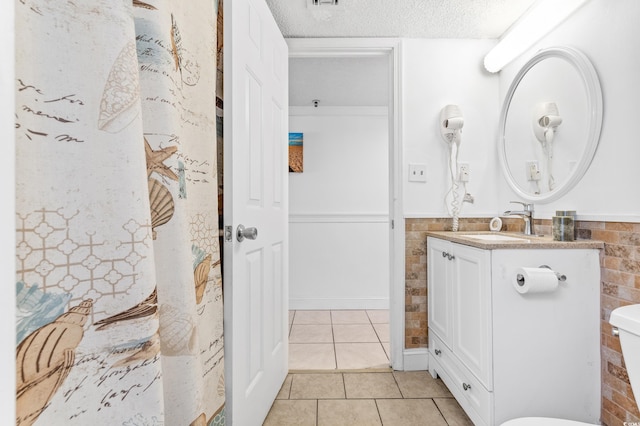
(451, 123)
(546, 120)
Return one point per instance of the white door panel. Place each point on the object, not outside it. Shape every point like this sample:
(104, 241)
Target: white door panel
(255, 191)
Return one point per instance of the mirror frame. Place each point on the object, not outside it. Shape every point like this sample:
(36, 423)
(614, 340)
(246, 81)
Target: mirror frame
(591, 84)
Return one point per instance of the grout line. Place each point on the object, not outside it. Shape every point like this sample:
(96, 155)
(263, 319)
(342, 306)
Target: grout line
(290, 386)
(375, 401)
(440, 411)
(341, 370)
(397, 384)
(333, 338)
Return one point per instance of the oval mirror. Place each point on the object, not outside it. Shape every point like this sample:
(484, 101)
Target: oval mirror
(550, 124)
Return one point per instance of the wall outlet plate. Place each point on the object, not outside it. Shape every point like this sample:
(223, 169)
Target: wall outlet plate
(533, 171)
(464, 172)
(417, 172)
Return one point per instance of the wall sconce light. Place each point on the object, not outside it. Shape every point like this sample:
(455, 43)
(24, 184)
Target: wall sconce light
(536, 22)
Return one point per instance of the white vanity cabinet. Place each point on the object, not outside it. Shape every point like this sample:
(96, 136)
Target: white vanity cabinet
(503, 354)
(459, 306)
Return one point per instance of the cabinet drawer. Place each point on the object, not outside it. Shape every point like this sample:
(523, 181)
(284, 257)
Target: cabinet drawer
(472, 396)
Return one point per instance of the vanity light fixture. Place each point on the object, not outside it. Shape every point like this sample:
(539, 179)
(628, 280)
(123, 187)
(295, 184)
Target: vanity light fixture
(536, 22)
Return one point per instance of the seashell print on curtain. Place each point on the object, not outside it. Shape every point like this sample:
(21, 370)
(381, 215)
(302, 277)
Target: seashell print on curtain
(118, 281)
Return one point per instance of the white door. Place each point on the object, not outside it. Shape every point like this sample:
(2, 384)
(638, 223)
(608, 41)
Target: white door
(255, 196)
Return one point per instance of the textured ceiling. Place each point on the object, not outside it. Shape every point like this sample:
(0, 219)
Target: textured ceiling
(398, 18)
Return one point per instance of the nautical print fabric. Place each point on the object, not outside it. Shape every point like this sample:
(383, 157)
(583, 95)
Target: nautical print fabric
(118, 284)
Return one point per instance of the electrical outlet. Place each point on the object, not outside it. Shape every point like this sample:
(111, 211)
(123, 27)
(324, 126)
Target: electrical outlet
(463, 172)
(417, 172)
(533, 171)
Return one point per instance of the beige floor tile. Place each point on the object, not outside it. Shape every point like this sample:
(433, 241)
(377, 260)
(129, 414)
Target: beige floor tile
(311, 356)
(382, 330)
(285, 390)
(371, 385)
(360, 355)
(291, 315)
(352, 333)
(348, 412)
(292, 413)
(349, 317)
(409, 412)
(378, 316)
(312, 317)
(452, 412)
(420, 384)
(317, 386)
(310, 333)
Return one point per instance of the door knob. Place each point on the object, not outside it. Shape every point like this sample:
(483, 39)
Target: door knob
(248, 233)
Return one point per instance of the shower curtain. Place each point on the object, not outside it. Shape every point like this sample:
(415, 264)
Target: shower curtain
(118, 286)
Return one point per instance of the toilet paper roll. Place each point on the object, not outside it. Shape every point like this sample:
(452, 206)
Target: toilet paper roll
(535, 280)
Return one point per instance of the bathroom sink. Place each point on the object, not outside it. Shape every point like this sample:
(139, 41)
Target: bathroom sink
(493, 237)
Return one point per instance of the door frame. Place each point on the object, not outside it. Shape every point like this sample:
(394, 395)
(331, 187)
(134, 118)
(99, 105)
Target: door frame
(359, 47)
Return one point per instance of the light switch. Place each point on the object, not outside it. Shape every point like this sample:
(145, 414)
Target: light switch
(417, 172)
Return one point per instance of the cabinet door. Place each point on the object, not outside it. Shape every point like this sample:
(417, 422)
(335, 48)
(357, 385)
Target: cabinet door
(439, 289)
(472, 309)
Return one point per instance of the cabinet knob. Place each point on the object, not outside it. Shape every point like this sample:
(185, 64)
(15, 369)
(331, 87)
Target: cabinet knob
(448, 255)
(466, 386)
(438, 352)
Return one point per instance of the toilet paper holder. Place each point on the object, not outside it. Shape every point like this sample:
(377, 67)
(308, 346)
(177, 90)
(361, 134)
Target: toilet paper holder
(561, 277)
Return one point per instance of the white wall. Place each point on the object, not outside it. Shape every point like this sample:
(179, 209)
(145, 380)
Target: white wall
(339, 231)
(608, 33)
(438, 72)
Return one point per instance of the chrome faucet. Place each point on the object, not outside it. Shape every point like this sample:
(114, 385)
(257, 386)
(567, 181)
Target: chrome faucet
(526, 213)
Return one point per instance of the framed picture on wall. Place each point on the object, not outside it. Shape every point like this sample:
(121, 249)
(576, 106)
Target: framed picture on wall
(295, 152)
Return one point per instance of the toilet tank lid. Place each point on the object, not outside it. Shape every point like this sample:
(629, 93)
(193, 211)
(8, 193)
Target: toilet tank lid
(627, 318)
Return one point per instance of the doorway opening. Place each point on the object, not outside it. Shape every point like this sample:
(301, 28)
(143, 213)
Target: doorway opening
(345, 310)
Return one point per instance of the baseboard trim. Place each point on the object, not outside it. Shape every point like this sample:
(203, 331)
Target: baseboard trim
(323, 304)
(416, 359)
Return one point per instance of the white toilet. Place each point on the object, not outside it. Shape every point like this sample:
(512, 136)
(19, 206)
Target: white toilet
(626, 321)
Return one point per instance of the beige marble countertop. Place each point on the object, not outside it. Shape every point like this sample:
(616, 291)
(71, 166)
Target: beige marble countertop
(520, 241)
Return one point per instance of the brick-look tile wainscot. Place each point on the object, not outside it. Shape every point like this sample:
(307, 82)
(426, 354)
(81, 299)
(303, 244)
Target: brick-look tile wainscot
(416, 272)
(620, 286)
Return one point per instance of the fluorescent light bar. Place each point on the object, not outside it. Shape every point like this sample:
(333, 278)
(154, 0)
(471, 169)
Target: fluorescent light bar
(536, 22)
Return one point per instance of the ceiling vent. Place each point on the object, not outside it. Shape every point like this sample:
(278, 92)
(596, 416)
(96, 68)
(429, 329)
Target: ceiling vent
(332, 4)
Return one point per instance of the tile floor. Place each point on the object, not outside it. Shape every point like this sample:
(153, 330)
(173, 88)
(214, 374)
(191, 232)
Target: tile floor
(345, 342)
(379, 398)
(338, 339)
